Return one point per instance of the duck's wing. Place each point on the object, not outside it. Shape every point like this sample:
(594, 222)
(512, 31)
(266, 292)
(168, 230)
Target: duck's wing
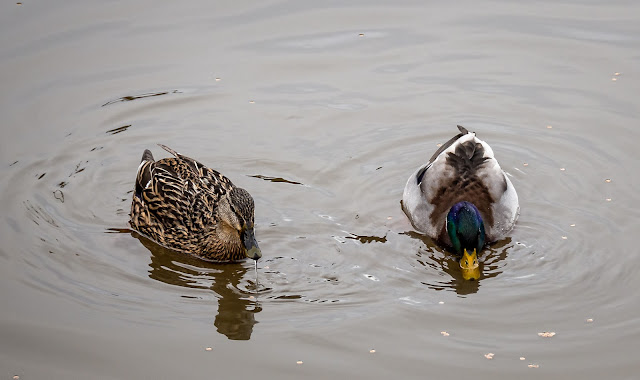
(203, 177)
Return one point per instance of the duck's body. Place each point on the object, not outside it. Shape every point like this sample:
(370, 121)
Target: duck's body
(183, 205)
(463, 171)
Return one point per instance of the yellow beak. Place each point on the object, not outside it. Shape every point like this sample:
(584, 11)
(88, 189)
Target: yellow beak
(469, 265)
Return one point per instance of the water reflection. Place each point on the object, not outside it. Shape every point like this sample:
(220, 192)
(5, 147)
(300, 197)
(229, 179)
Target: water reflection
(441, 261)
(236, 307)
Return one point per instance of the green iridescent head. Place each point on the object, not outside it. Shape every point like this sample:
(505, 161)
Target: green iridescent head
(466, 231)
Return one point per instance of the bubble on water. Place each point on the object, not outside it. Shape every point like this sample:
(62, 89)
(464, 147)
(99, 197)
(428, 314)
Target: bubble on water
(371, 277)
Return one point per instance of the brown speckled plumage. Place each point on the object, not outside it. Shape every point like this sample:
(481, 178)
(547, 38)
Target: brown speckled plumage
(183, 205)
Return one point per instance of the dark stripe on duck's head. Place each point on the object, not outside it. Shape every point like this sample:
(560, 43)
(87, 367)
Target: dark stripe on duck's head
(465, 227)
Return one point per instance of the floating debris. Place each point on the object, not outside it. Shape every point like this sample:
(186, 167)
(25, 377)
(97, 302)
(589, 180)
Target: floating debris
(218, 79)
(533, 366)
(208, 349)
(372, 351)
(547, 334)
(489, 355)
(444, 333)
(589, 320)
(299, 362)
(607, 180)
(361, 35)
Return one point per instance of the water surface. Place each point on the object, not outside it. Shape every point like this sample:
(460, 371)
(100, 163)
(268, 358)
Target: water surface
(321, 111)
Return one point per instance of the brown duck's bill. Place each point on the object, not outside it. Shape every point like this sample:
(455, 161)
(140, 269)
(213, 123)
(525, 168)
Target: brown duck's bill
(469, 265)
(251, 245)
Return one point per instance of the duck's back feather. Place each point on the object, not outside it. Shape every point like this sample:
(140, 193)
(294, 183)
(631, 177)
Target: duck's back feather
(463, 169)
(175, 197)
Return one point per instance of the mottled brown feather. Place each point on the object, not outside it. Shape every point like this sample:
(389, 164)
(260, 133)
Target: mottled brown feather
(176, 205)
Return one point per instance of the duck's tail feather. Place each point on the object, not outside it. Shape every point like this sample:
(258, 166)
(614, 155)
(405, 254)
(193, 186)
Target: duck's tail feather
(144, 175)
(147, 156)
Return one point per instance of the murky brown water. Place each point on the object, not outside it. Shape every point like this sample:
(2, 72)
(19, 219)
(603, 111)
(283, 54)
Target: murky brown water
(323, 126)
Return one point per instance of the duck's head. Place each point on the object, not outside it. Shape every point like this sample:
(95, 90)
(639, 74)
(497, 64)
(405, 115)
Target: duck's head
(466, 231)
(236, 211)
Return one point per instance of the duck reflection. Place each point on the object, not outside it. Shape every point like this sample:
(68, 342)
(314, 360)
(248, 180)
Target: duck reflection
(433, 256)
(236, 313)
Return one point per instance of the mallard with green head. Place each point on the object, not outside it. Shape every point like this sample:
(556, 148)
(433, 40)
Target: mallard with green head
(185, 206)
(462, 199)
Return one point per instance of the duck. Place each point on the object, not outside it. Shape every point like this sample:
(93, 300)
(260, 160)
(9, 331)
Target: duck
(185, 206)
(462, 199)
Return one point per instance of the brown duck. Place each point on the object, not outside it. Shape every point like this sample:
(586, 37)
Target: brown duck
(185, 206)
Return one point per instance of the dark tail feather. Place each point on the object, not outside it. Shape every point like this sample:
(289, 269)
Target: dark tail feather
(147, 156)
(144, 172)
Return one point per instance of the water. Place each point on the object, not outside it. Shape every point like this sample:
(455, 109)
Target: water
(321, 111)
